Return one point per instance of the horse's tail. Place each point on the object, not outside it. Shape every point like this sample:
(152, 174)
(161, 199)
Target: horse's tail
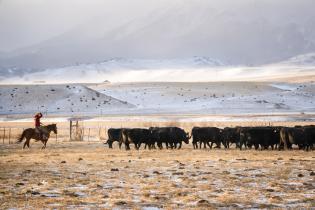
(21, 138)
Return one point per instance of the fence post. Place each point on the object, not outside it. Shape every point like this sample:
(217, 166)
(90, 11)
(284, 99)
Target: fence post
(9, 135)
(70, 134)
(89, 135)
(3, 135)
(99, 132)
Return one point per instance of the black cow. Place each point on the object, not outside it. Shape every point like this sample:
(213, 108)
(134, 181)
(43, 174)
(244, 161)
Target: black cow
(177, 136)
(171, 136)
(137, 136)
(309, 133)
(207, 135)
(114, 134)
(160, 136)
(259, 136)
(301, 136)
(231, 136)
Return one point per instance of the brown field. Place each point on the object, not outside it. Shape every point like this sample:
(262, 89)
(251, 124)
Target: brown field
(89, 175)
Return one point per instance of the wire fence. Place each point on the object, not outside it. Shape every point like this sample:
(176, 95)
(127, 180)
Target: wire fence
(10, 135)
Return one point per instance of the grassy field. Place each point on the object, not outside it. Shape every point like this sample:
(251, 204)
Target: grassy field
(89, 175)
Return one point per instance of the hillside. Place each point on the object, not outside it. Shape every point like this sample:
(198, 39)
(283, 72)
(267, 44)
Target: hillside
(73, 100)
(195, 69)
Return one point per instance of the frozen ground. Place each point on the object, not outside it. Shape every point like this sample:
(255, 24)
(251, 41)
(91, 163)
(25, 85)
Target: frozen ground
(82, 175)
(215, 98)
(197, 101)
(56, 99)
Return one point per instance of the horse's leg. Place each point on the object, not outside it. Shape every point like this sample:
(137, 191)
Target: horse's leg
(44, 142)
(26, 143)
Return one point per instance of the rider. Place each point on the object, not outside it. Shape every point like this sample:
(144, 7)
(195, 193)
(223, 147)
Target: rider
(38, 128)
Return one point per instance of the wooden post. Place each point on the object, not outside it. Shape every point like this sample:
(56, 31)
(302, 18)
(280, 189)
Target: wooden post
(89, 135)
(70, 130)
(9, 135)
(82, 138)
(99, 132)
(3, 135)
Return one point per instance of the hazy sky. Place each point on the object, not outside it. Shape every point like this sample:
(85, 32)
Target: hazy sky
(64, 32)
(26, 22)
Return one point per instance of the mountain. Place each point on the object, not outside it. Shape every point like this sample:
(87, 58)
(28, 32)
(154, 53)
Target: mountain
(195, 69)
(300, 60)
(255, 33)
(117, 69)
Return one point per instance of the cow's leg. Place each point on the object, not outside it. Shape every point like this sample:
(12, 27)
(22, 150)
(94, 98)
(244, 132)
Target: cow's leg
(127, 147)
(218, 145)
(180, 145)
(211, 145)
(208, 144)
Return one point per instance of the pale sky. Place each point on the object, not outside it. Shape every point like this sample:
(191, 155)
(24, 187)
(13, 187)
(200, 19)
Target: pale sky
(45, 33)
(26, 22)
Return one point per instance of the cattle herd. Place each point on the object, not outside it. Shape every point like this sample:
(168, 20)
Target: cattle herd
(243, 137)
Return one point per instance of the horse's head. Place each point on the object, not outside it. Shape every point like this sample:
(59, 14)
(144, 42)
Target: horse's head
(53, 127)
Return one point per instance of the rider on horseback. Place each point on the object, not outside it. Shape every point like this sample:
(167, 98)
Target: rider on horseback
(38, 128)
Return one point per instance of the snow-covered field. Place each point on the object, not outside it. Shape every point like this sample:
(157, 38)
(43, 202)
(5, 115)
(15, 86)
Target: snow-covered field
(211, 101)
(215, 98)
(56, 99)
(193, 86)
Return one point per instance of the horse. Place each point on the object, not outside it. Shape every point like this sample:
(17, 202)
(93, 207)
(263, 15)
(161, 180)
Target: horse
(30, 133)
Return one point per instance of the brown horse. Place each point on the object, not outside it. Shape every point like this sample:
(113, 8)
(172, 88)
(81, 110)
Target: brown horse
(30, 133)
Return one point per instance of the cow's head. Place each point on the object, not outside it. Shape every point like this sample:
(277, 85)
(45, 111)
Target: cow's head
(110, 143)
(187, 137)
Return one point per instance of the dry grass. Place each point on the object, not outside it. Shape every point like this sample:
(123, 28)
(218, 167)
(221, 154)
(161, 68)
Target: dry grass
(91, 176)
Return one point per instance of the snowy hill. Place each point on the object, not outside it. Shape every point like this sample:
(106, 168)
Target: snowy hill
(57, 99)
(117, 70)
(194, 69)
(300, 60)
